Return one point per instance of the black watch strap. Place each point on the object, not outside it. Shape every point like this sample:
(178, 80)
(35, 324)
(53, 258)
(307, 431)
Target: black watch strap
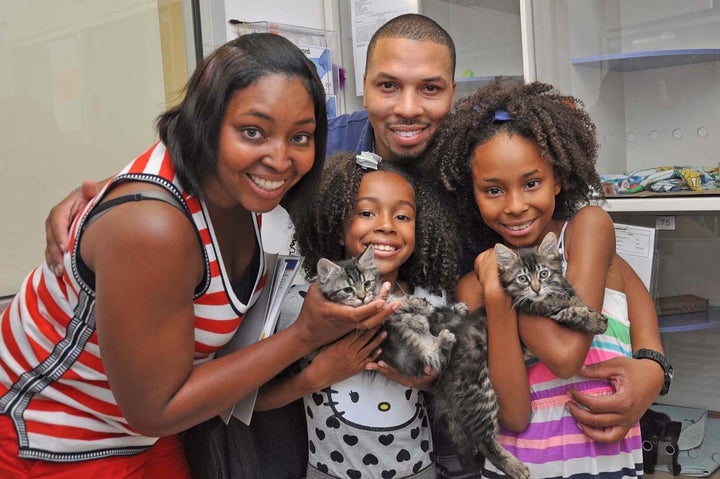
(659, 358)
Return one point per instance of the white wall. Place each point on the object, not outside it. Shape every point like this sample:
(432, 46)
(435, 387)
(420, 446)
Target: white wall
(80, 86)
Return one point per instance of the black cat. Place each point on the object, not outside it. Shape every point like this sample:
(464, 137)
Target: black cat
(660, 437)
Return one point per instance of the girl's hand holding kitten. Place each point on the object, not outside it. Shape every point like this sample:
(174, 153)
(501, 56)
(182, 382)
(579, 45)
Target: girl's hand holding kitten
(471, 287)
(486, 270)
(345, 357)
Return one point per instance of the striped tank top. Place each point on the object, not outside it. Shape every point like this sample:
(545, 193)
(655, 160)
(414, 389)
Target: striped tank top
(52, 380)
(552, 446)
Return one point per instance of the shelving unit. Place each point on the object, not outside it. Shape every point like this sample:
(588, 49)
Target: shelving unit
(632, 61)
(664, 203)
(466, 86)
(678, 323)
(648, 72)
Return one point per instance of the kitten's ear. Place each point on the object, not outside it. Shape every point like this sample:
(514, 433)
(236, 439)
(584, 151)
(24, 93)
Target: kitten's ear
(504, 255)
(548, 246)
(326, 268)
(673, 429)
(367, 258)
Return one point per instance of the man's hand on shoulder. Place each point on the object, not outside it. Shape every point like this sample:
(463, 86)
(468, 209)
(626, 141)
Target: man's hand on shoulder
(57, 224)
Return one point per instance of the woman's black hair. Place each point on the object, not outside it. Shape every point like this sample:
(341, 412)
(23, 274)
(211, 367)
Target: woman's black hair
(556, 123)
(191, 130)
(319, 230)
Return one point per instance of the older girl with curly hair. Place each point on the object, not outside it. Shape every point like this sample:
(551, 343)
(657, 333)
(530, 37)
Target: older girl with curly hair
(520, 159)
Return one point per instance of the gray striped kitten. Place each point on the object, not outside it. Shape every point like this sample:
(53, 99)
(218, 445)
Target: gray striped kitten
(410, 346)
(535, 280)
(463, 397)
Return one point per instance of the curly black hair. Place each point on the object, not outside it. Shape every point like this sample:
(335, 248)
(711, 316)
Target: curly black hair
(320, 227)
(558, 124)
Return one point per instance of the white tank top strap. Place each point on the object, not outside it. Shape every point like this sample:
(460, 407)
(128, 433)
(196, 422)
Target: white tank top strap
(561, 244)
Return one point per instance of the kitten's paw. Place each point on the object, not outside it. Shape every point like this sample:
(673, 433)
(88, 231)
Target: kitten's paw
(518, 471)
(509, 464)
(446, 339)
(581, 318)
(597, 322)
(433, 361)
(459, 308)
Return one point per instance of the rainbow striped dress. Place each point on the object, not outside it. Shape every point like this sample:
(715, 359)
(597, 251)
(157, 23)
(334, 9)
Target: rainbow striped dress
(552, 446)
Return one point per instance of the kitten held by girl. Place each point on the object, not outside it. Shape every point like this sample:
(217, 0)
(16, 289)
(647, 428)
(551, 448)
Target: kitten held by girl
(525, 156)
(359, 421)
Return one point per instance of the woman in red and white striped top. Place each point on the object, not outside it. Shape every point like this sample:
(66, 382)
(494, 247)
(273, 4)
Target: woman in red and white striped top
(97, 364)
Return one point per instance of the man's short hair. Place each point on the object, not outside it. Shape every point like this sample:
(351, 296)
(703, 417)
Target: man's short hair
(413, 26)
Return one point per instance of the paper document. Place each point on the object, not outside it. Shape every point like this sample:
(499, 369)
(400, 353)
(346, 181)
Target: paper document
(636, 245)
(260, 320)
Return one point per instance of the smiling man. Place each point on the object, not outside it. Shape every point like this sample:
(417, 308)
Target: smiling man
(409, 88)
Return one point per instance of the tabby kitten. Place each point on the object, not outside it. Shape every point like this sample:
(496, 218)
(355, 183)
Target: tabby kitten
(463, 397)
(354, 282)
(535, 280)
(409, 346)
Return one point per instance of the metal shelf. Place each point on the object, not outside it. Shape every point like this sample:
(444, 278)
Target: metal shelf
(624, 62)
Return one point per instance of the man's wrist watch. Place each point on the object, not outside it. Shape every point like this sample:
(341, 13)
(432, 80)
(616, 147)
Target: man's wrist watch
(659, 358)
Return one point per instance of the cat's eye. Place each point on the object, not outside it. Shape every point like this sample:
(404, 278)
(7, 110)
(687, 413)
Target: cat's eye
(522, 279)
(368, 285)
(347, 290)
(544, 274)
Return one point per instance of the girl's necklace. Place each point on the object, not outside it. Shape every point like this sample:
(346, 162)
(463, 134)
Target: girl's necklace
(402, 290)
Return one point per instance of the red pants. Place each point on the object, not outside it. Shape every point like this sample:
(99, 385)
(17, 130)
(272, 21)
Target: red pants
(166, 459)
